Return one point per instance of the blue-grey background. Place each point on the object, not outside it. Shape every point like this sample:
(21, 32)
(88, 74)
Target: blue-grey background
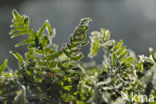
(133, 21)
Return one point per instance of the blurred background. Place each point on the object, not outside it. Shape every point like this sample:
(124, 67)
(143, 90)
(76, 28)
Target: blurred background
(133, 21)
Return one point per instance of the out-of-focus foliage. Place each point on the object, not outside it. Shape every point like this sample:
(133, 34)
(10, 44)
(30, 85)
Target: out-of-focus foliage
(47, 75)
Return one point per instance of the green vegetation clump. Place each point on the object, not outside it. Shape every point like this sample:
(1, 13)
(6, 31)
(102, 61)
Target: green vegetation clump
(48, 75)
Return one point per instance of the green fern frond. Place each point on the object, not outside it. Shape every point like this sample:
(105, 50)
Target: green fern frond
(3, 66)
(77, 40)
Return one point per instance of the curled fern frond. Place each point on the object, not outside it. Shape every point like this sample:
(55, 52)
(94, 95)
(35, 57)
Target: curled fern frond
(76, 41)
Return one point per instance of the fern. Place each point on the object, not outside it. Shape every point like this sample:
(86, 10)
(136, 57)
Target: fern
(3, 66)
(44, 66)
(48, 75)
(119, 72)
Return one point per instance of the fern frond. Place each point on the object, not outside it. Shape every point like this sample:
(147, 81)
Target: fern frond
(3, 66)
(21, 27)
(77, 40)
